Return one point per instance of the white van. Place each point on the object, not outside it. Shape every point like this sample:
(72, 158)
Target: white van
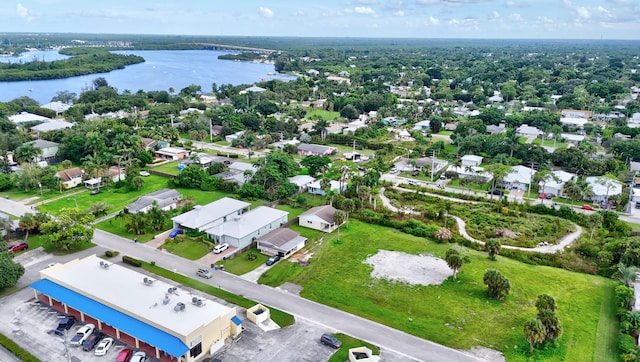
(220, 248)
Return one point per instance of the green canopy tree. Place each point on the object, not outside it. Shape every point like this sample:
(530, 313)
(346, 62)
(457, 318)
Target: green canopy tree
(71, 228)
(492, 246)
(498, 284)
(27, 223)
(10, 271)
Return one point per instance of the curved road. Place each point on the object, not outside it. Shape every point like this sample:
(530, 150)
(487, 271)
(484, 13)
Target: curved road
(563, 242)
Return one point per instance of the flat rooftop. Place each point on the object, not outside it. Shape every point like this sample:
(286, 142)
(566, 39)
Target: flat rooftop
(124, 289)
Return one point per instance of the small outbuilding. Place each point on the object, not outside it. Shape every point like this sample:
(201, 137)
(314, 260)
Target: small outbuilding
(282, 241)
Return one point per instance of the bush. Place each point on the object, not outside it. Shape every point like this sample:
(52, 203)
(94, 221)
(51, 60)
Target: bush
(111, 253)
(14, 348)
(626, 343)
(131, 261)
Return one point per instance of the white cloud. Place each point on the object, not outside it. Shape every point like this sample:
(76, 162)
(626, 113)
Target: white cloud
(433, 21)
(266, 12)
(368, 2)
(582, 12)
(22, 11)
(494, 16)
(298, 13)
(364, 10)
(516, 17)
(399, 13)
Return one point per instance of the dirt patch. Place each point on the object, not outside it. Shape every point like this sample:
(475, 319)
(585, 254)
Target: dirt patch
(407, 268)
(505, 233)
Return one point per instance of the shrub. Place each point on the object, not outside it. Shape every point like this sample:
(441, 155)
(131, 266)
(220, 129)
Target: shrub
(18, 351)
(626, 343)
(131, 261)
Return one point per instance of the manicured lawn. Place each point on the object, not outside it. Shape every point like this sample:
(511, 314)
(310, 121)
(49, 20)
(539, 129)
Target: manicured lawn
(348, 342)
(281, 318)
(457, 313)
(607, 337)
(549, 143)
(169, 167)
(117, 226)
(188, 247)
(326, 115)
(241, 264)
(39, 240)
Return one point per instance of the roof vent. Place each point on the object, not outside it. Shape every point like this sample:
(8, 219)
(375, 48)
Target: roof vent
(148, 281)
(104, 264)
(173, 290)
(197, 301)
(179, 307)
(166, 299)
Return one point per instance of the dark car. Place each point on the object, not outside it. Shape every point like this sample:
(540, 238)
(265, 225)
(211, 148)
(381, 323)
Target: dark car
(175, 233)
(496, 192)
(65, 324)
(96, 191)
(330, 340)
(18, 247)
(92, 341)
(273, 259)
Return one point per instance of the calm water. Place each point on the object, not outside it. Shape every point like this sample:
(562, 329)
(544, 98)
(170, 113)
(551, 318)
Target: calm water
(162, 70)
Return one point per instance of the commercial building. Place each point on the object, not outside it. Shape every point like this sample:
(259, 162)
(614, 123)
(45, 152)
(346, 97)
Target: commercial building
(169, 323)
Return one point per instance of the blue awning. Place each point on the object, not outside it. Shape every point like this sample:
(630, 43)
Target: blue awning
(236, 320)
(124, 322)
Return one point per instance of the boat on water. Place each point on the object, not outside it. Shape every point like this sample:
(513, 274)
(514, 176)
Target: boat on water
(271, 73)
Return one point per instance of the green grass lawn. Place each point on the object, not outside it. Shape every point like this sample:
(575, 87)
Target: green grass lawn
(241, 264)
(326, 115)
(550, 143)
(169, 167)
(188, 247)
(457, 313)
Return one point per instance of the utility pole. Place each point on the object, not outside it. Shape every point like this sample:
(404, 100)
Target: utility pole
(433, 163)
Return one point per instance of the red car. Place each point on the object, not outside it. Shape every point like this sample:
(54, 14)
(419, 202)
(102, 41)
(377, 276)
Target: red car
(588, 207)
(124, 355)
(18, 247)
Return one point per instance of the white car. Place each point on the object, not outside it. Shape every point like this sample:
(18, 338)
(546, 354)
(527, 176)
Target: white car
(138, 357)
(144, 173)
(220, 248)
(103, 346)
(82, 334)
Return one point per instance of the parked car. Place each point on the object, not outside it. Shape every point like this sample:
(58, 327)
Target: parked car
(637, 204)
(65, 324)
(124, 355)
(549, 196)
(82, 335)
(139, 356)
(175, 233)
(92, 341)
(273, 259)
(204, 273)
(144, 173)
(588, 207)
(103, 346)
(415, 173)
(330, 340)
(413, 183)
(18, 247)
(496, 192)
(220, 248)
(96, 191)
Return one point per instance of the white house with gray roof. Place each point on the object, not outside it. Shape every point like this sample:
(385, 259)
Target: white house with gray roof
(241, 230)
(204, 217)
(309, 149)
(166, 199)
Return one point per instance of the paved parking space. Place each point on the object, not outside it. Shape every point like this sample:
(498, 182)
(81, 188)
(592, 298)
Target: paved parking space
(31, 326)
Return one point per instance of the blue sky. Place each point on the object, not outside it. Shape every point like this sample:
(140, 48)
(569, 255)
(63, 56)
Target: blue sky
(549, 19)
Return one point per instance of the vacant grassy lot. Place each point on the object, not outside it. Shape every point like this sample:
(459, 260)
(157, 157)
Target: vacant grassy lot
(457, 313)
(188, 247)
(326, 115)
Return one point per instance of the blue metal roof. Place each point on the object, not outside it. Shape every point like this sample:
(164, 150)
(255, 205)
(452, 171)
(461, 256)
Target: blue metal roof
(236, 320)
(130, 325)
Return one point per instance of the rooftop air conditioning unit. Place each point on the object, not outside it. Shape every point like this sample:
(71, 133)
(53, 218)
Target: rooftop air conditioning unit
(179, 307)
(166, 299)
(147, 281)
(104, 264)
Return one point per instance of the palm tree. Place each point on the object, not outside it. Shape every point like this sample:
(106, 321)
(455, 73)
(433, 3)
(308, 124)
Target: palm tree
(631, 323)
(338, 219)
(455, 261)
(626, 274)
(137, 182)
(572, 190)
(534, 332)
(348, 206)
(27, 153)
(27, 223)
(363, 193)
(136, 223)
(498, 285)
(551, 324)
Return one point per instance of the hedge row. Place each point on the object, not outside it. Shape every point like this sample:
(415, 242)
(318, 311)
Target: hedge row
(17, 351)
(131, 261)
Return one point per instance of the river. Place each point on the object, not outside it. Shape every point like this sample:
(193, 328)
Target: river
(163, 69)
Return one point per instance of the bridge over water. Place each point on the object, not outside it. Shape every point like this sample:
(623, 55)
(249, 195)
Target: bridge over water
(213, 46)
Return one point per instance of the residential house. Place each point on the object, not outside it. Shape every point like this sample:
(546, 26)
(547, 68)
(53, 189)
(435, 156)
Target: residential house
(166, 199)
(451, 126)
(313, 72)
(423, 126)
(576, 113)
(528, 131)
(471, 171)
(216, 130)
(58, 107)
(603, 188)
(54, 125)
(493, 129)
(49, 149)
(520, 177)
(315, 188)
(253, 89)
(26, 117)
(242, 230)
(404, 135)
(352, 127)
(302, 181)
(215, 213)
(335, 128)
(574, 122)
(496, 97)
(281, 241)
(471, 160)
(5, 218)
(556, 187)
(71, 177)
(117, 173)
(309, 149)
(344, 73)
(171, 153)
(280, 145)
(149, 143)
(93, 183)
(319, 218)
(236, 136)
(420, 164)
(572, 138)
